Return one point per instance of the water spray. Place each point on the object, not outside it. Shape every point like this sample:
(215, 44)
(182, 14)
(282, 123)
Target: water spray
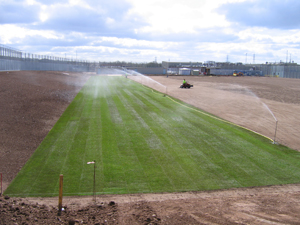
(276, 121)
(275, 132)
(134, 73)
(166, 92)
(126, 72)
(254, 95)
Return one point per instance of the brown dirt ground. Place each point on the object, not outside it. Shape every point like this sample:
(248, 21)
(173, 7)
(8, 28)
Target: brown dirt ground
(31, 102)
(247, 101)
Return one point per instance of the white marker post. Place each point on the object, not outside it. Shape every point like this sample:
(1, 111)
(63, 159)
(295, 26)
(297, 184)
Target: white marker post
(94, 188)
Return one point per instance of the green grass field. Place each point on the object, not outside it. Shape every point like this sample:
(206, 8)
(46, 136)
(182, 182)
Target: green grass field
(144, 142)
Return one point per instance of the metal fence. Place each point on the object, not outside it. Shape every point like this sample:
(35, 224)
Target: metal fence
(285, 71)
(227, 72)
(291, 72)
(12, 59)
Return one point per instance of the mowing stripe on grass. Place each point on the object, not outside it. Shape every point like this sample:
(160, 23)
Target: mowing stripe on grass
(144, 142)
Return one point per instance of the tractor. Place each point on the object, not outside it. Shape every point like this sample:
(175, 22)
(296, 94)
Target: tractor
(186, 85)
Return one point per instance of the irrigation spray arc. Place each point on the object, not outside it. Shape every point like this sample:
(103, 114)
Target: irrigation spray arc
(276, 121)
(249, 92)
(265, 105)
(143, 79)
(134, 73)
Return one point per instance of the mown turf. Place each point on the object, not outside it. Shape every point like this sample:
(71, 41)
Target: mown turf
(144, 142)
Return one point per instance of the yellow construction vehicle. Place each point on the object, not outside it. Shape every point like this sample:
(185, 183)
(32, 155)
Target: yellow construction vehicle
(237, 74)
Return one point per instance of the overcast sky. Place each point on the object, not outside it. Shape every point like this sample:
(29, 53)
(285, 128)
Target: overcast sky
(142, 31)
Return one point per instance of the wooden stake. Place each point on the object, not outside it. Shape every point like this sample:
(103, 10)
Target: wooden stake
(94, 188)
(1, 185)
(60, 193)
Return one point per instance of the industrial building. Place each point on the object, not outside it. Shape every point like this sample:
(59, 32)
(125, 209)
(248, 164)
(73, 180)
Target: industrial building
(13, 59)
(285, 70)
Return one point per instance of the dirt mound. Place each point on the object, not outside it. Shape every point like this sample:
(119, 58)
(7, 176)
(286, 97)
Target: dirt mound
(260, 205)
(19, 211)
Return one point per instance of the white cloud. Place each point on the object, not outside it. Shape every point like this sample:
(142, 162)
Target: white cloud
(11, 33)
(134, 43)
(44, 14)
(31, 2)
(176, 16)
(107, 53)
(266, 36)
(110, 21)
(135, 30)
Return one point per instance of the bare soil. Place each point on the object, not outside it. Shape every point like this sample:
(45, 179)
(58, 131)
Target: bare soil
(252, 102)
(32, 101)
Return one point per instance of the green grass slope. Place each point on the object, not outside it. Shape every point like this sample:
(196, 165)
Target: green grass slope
(144, 142)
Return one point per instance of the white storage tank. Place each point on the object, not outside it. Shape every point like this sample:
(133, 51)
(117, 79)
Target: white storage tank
(184, 71)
